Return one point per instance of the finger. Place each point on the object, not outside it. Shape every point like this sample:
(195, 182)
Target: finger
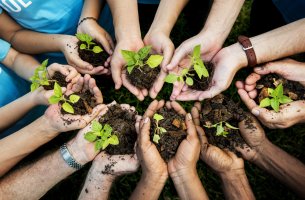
(189, 95)
(144, 92)
(252, 94)
(95, 70)
(240, 85)
(177, 88)
(152, 108)
(252, 79)
(158, 84)
(78, 86)
(72, 72)
(191, 129)
(137, 125)
(185, 88)
(134, 90)
(210, 93)
(178, 108)
(75, 79)
(202, 138)
(196, 116)
(98, 95)
(95, 111)
(116, 71)
(144, 132)
(110, 41)
(250, 103)
(76, 61)
(102, 39)
(249, 88)
(168, 54)
(181, 52)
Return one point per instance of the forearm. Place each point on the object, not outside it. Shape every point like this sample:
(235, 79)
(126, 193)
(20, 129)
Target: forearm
(236, 186)
(149, 187)
(167, 15)
(125, 19)
(18, 145)
(221, 19)
(12, 112)
(189, 185)
(91, 8)
(283, 166)
(33, 181)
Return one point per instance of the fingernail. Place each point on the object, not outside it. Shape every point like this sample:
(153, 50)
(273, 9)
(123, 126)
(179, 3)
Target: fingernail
(189, 116)
(146, 120)
(259, 68)
(255, 112)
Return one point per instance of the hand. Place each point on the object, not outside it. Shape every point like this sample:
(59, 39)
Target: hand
(161, 44)
(118, 64)
(209, 47)
(226, 63)
(289, 114)
(69, 47)
(69, 72)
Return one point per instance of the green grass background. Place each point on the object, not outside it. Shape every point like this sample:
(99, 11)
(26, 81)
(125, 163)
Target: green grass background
(263, 185)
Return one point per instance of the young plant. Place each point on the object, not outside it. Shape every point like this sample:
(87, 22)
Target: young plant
(101, 135)
(58, 96)
(158, 130)
(88, 40)
(199, 68)
(40, 76)
(220, 130)
(138, 59)
(277, 98)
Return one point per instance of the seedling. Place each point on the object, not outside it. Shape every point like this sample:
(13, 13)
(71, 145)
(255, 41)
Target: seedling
(101, 135)
(185, 76)
(158, 130)
(58, 96)
(220, 130)
(40, 76)
(277, 98)
(88, 40)
(137, 59)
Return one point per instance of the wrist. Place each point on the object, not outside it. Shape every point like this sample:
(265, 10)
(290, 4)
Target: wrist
(63, 40)
(45, 128)
(232, 175)
(159, 177)
(184, 176)
(77, 153)
(236, 54)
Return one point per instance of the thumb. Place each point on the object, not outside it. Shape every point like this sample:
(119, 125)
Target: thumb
(271, 67)
(116, 72)
(168, 54)
(144, 133)
(105, 43)
(179, 54)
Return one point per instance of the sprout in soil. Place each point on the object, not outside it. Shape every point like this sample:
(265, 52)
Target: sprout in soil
(88, 44)
(101, 135)
(158, 130)
(185, 76)
(277, 98)
(40, 76)
(138, 59)
(220, 130)
(58, 96)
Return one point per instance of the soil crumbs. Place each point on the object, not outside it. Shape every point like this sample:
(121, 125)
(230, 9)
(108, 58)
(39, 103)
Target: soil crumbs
(203, 83)
(95, 59)
(60, 78)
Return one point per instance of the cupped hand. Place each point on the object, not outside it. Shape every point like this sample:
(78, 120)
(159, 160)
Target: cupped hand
(68, 71)
(161, 44)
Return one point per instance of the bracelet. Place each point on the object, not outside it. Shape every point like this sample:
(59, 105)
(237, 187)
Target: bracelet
(86, 18)
(248, 48)
(68, 158)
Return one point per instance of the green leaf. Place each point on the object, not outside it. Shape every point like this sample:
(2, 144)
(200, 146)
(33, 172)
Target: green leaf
(156, 138)
(83, 37)
(82, 46)
(34, 86)
(275, 104)
(45, 82)
(171, 78)
(44, 64)
(130, 68)
(57, 90)
(74, 98)
(98, 144)
(128, 56)
(162, 130)
(97, 49)
(154, 61)
(225, 133)
(96, 126)
(196, 51)
(158, 117)
(219, 130)
(285, 99)
(270, 91)
(107, 130)
(184, 72)
(279, 91)
(114, 140)
(54, 99)
(143, 52)
(105, 144)
(264, 103)
(230, 126)
(90, 136)
(189, 81)
(198, 70)
(68, 108)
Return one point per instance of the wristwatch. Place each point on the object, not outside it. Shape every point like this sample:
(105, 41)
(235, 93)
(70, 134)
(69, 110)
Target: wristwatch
(248, 48)
(68, 158)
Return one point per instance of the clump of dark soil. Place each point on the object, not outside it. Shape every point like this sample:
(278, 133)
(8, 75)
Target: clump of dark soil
(203, 83)
(95, 59)
(60, 78)
(222, 109)
(143, 77)
(84, 105)
(123, 125)
(175, 127)
(294, 90)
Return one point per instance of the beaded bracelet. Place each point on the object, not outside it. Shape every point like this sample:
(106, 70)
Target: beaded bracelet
(86, 18)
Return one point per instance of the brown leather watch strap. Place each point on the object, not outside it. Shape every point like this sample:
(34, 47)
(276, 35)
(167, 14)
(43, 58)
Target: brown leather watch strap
(248, 48)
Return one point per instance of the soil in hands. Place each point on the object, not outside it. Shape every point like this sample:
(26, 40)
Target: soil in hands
(143, 77)
(176, 132)
(60, 78)
(294, 90)
(95, 59)
(203, 83)
(84, 105)
(222, 109)
(123, 125)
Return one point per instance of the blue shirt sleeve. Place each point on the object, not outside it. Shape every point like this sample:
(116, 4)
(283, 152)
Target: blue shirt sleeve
(1, 10)
(4, 48)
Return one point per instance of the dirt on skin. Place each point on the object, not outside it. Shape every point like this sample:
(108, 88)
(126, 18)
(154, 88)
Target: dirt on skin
(60, 78)
(203, 83)
(95, 59)
(123, 125)
(222, 109)
(176, 132)
(84, 105)
(292, 89)
(143, 77)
